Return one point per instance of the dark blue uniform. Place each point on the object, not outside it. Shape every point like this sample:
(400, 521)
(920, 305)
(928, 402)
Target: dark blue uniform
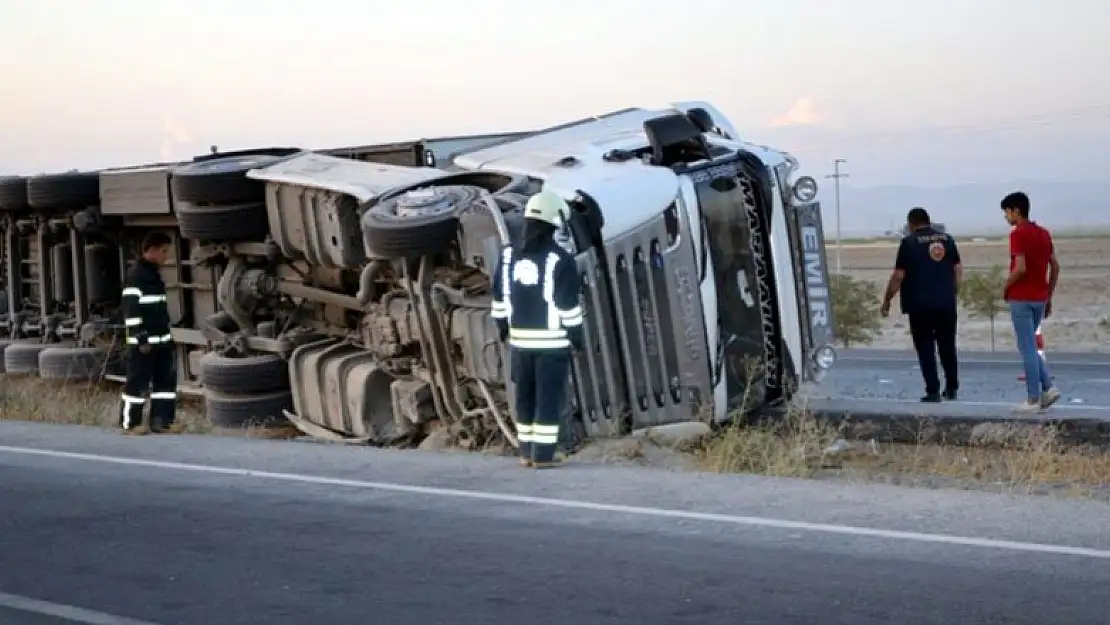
(928, 298)
(147, 321)
(536, 306)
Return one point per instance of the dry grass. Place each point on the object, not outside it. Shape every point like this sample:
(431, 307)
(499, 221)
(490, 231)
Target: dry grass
(1029, 460)
(1034, 461)
(29, 398)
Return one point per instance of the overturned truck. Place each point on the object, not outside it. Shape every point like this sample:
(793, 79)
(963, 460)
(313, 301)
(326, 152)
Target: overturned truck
(348, 290)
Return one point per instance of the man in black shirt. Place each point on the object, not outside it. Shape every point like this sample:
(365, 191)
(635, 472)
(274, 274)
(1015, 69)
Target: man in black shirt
(927, 271)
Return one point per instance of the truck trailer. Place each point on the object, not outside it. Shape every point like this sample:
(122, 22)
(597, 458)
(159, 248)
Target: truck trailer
(347, 290)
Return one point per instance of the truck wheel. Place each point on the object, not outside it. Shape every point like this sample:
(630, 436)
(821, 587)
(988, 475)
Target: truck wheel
(229, 222)
(239, 411)
(13, 193)
(4, 343)
(23, 358)
(252, 374)
(69, 190)
(421, 221)
(219, 180)
(71, 363)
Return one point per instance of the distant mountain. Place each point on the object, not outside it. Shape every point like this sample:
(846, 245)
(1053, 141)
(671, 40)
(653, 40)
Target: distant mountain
(967, 208)
(959, 178)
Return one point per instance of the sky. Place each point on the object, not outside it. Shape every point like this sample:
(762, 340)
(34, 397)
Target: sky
(916, 93)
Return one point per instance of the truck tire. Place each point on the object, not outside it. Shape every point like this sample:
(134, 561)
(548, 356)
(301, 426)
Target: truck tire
(23, 358)
(404, 226)
(219, 180)
(239, 411)
(70, 190)
(4, 343)
(228, 222)
(13, 193)
(251, 374)
(72, 363)
(248, 152)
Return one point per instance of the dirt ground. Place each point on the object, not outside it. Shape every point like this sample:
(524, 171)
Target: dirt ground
(1081, 317)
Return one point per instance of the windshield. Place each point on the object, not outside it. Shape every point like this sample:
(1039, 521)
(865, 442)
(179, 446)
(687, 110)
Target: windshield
(722, 197)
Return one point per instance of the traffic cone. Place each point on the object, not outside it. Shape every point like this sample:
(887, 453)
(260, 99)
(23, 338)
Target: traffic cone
(1039, 342)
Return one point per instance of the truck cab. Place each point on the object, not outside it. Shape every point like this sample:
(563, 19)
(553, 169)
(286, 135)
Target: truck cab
(707, 281)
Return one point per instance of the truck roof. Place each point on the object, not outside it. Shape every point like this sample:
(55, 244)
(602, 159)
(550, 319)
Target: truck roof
(570, 157)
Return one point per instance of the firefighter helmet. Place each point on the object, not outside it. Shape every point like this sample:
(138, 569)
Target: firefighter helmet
(547, 206)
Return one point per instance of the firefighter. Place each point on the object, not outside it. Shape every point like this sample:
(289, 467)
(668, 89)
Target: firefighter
(149, 344)
(536, 290)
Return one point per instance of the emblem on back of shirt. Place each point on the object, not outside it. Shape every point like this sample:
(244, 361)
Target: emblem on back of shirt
(937, 251)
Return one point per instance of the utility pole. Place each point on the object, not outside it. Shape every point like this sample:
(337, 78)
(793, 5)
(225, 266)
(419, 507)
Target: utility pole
(836, 176)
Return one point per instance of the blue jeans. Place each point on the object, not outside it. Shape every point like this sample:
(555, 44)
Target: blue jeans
(1026, 317)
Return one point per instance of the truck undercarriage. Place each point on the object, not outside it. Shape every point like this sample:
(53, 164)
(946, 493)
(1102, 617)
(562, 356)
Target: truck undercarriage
(351, 296)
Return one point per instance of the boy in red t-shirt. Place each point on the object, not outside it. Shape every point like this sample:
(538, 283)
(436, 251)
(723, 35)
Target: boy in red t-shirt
(1028, 290)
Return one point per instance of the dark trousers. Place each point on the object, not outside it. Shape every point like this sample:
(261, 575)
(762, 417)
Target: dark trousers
(934, 333)
(540, 376)
(156, 371)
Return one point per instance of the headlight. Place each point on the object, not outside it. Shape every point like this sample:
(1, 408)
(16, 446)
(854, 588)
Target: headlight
(824, 357)
(805, 189)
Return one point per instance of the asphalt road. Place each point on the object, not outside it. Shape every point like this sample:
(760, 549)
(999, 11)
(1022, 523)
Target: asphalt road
(209, 530)
(872, 380)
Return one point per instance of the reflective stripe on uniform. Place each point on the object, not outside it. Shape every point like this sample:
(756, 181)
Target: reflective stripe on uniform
(524, 433)
(165, 338)
(506, 305)
(527, 333)
(163, 395)
(134, 291)
(572, 317)
(133, 321)
(539, 343)
(549, 290)
(545, 434)
(128, 401)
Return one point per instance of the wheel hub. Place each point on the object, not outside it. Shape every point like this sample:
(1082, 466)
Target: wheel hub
(424, 202)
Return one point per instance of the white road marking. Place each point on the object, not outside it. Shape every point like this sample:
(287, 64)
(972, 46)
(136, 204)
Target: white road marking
(976, 361)
(686, 515)
(958, 402)
(67, 612)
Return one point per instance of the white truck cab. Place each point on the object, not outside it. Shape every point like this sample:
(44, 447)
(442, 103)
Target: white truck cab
(702, 258)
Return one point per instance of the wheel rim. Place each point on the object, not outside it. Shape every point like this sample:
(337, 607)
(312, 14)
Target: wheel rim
(423, 203)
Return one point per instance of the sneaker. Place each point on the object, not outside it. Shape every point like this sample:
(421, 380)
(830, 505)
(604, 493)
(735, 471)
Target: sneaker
(138, 430)
(931, 398)
(1029, 405)
(1049, 397)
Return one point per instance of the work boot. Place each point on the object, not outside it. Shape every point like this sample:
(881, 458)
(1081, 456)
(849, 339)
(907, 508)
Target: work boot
(173, 428)
(138, 430)
(556, 460)
(949, 394)
(931, 398)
